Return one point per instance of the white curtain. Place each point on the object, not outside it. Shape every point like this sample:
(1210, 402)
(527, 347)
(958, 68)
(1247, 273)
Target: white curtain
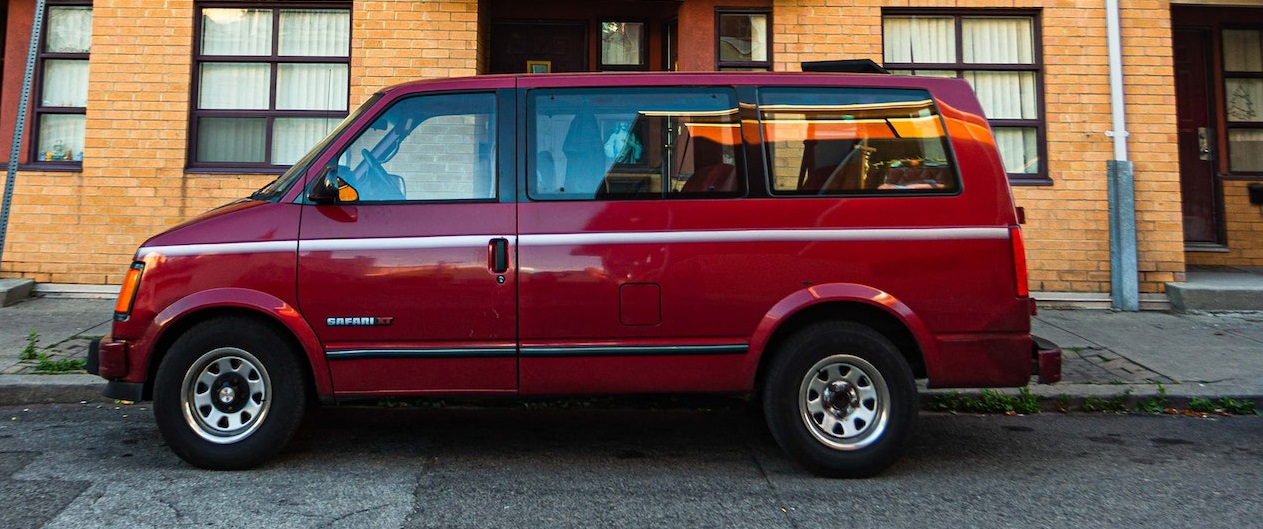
(311, 87)
(919, 39)
(758, 37)
(231, 139)
(1241, 51)
(1005, 95)
(234, 86)
(620, 43)
(1245, 150)
(1018, 148)
(64, 130)
(237, 32)
(293, 137)
(995, 40)
(65, 83)
(69, 29)
(315, 33)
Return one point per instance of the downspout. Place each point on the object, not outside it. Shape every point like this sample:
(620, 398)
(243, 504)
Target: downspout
(1124, 273)
(19, 124)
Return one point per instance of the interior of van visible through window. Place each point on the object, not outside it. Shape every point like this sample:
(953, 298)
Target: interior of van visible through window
(643, 143)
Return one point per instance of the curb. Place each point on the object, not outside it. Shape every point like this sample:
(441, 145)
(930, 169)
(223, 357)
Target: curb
(1071, 397)
(18, 390)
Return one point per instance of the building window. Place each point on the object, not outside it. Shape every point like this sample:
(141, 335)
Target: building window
(743, 40)
(623, 46)
(1243, 92)
(998, 56)
(269, 83)
(62, 92)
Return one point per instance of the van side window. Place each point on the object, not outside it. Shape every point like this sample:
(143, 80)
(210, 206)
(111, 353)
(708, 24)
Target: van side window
(427, 147)
(824, 141)
(634, 143)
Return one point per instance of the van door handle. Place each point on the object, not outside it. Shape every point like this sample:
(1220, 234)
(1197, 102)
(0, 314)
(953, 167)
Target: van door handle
(498, 255)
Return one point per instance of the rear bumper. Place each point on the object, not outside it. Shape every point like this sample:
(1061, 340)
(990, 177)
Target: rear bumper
(1045, 360)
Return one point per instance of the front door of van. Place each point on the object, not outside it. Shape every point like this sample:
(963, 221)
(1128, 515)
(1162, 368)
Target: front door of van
(408, 280)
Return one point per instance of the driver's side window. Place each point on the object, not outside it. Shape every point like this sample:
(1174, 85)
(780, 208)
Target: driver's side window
(425, 148)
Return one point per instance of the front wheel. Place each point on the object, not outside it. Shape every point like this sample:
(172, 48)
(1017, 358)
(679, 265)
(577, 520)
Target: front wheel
(229, 394)
(840, 399)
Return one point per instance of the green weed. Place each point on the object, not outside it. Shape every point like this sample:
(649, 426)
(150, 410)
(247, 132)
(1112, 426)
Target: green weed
(1115, 404)
(989, 401)
(29, 352)
(1154, 404)
(1201, 405)
(65, 365)
(1238, 407)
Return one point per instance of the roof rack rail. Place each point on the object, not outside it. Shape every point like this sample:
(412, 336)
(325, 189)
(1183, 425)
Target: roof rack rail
(844, 66)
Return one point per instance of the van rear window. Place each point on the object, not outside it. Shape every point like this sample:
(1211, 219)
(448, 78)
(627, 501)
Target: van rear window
(841, 141)
(634, 143)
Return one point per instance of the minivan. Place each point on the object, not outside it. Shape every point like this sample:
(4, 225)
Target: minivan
(815, 241)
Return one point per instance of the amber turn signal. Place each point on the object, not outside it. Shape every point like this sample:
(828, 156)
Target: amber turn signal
(127, 295)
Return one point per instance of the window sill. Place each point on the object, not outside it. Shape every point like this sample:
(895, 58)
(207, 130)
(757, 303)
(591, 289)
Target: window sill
(52, 167)
(234, 171)
(1030, 182)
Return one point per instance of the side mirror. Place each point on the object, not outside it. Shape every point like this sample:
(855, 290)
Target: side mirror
(329, 189)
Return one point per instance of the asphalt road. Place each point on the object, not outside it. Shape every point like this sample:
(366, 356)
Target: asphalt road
(96, 465)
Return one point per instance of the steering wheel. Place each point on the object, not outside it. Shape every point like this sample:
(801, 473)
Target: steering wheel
(379, 183)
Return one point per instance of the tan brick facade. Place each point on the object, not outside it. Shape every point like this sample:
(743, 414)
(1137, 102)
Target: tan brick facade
(81, 227)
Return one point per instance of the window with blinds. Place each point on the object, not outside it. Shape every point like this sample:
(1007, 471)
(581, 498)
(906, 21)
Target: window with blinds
(269, 81)
(998, 56)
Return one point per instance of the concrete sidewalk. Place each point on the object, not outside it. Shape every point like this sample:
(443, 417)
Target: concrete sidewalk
(1106, 353)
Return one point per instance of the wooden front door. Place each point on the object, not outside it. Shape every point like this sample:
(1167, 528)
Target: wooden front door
(1198, 185)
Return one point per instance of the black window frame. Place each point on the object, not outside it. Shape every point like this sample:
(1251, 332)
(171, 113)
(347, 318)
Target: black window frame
(38, 109)
(643, 66)
(1037, 66)
(722, 65)
(1228, 124)
(274, 60)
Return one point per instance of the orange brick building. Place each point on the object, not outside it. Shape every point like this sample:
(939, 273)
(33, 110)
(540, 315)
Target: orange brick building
(145, 112)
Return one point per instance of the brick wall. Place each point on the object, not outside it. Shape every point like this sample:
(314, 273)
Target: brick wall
(392, 42)
(1245, 231)
(1067, 230)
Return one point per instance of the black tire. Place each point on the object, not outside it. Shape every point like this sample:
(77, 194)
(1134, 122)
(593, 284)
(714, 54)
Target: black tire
(840, 399)
(229, 394)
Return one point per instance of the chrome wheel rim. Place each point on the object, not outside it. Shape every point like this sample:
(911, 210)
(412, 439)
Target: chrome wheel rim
(844, 402)
(225, 395)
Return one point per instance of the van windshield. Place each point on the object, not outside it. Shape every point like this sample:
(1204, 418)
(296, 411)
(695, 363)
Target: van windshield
(275, 189)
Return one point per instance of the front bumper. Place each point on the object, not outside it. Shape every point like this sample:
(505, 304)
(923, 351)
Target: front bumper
(108, 359)
(1045, 360)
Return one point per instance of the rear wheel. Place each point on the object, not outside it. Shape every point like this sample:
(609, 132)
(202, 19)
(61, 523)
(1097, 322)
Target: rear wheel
(229, 394)
(840, 399)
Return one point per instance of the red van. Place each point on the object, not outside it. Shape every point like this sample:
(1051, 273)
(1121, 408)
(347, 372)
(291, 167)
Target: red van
(817, 241)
